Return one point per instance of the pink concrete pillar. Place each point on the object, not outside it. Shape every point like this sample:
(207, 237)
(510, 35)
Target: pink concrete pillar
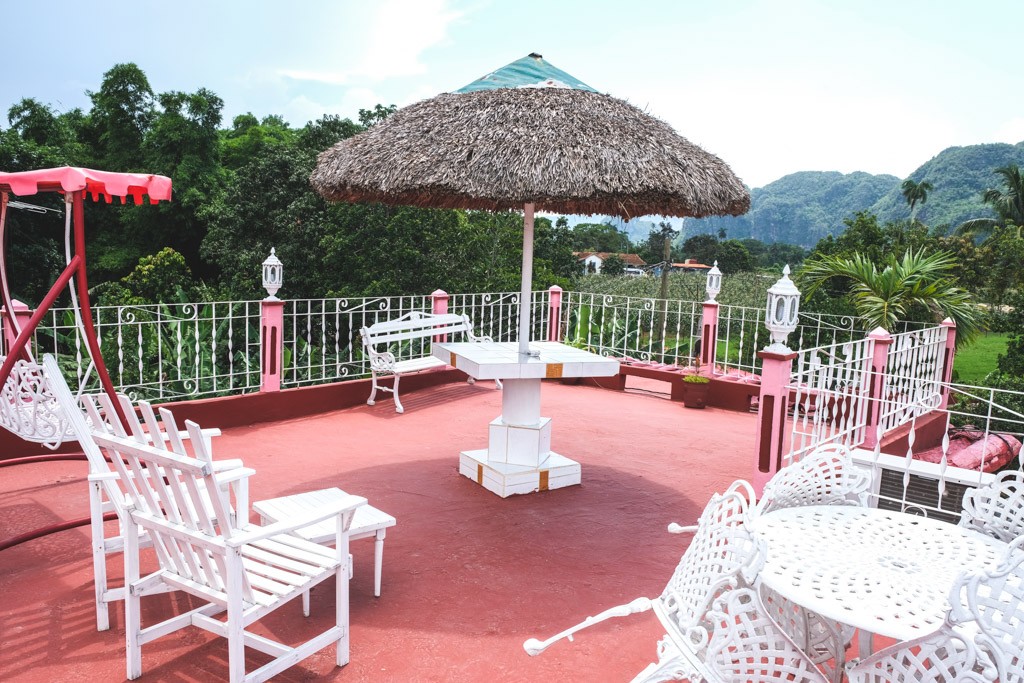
(271, 344)
(949, 357)
(771, 415)
(709, 335)
(22, 314)
(881, 341)
(440, 307)
(555, 313)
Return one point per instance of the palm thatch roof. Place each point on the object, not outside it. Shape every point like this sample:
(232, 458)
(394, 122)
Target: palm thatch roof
(564, 150)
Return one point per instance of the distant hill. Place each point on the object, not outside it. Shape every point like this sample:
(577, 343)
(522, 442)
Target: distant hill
(958, 176)
(803, 207)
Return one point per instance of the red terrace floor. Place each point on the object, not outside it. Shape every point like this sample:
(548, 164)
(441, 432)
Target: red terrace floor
(467, 576)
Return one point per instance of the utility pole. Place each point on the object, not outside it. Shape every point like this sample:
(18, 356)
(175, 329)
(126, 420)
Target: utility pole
(666, 264)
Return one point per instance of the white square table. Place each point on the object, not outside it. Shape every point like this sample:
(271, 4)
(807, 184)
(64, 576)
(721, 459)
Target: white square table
(518, 457)
(883, 572)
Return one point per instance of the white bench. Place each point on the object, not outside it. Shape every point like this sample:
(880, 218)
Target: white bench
(414, 325)
(368, 521)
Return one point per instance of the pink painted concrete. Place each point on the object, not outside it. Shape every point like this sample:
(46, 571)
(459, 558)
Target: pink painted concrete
(948, 358)
(22, 314)
(271, 344)
(881, 341)
(467, 576)
(440, 307)
(771, 416)
(555, 313)
(709, 334)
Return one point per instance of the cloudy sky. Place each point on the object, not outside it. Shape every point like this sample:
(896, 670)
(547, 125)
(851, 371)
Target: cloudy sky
(771, 86)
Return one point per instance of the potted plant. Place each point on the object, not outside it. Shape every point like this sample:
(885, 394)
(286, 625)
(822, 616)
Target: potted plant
(695, 391)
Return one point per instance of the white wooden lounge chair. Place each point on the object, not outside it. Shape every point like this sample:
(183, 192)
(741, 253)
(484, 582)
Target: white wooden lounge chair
(244, 570)
(106, 494)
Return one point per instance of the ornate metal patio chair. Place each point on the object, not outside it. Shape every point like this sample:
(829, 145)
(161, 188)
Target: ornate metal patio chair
(826, 476)
(996, 509)
(747, 645)
(106, 493)
(245, 570)
(994, 599)
(721, 548)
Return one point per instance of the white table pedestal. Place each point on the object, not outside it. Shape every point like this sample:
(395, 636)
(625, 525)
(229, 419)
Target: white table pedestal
(518, 458)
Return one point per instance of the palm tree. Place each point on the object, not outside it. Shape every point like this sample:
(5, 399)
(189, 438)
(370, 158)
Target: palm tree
(884, 297)
(915, 193)
(1007, 202)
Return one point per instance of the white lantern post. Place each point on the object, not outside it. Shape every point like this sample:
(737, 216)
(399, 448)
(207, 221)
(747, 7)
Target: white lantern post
(273, 275)
(782, 312)
(713, 285)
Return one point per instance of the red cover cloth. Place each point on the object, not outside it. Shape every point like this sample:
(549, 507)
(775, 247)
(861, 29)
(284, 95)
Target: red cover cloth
(97, 183)
(972, 450)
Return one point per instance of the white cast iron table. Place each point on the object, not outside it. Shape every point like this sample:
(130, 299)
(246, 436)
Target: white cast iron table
(886, 573)
(518, 457)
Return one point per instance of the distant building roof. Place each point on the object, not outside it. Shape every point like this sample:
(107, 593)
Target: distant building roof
(691, 264)
(628, 259)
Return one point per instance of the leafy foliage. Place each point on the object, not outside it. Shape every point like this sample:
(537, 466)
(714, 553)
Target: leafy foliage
(915, 287)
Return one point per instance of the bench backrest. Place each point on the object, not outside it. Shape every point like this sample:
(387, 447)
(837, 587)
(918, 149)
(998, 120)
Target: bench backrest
(415, 325)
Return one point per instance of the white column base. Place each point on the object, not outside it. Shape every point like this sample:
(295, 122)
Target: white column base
(528, 446)
(504, 479)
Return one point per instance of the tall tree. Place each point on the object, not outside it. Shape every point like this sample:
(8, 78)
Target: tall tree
(916, 286)
(122, 111)
(915, 193)
(1007, 202)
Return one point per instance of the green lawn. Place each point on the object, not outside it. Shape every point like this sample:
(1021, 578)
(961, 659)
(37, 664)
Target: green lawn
(977, 360)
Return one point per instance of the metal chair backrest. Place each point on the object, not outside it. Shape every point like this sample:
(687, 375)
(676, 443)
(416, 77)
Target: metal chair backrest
(827, 476)
(747, 645)
(722, 548)
(995, 600)
(996, 509)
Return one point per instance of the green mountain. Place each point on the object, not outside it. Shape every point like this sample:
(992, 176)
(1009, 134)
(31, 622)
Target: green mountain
(958, 176)
(803, 207)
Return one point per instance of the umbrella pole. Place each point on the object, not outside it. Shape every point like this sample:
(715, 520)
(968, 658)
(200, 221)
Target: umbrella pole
(526, 288)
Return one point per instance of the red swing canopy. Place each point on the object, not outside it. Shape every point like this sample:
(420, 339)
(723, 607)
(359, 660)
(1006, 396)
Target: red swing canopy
(97, 184)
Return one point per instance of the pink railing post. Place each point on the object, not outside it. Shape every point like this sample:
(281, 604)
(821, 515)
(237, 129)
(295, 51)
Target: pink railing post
(881, 340)
(22, 314)
(950, 356)
(776, 368)
(271, 343)
(440, 307)
(709, 335)
(555, 313)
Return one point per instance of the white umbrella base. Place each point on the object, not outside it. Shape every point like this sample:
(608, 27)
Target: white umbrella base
(504, 479)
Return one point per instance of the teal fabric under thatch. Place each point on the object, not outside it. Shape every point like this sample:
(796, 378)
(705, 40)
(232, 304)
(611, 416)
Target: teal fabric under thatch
(529, 72)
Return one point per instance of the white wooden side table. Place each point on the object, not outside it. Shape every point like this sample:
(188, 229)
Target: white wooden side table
(368, 521)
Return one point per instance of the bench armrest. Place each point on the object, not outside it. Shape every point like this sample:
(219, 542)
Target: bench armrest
(381, 362)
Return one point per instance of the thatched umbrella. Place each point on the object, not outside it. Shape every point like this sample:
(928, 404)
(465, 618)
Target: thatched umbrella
(530, 136)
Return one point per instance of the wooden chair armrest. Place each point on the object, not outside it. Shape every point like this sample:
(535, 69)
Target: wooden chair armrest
(326, 511)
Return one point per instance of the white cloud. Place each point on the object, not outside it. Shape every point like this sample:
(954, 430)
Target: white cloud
(389, 44)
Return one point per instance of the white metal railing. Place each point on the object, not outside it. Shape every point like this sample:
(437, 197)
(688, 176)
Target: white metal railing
(913, 375)
(831, 386)
(162, 351)
(928, 463)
